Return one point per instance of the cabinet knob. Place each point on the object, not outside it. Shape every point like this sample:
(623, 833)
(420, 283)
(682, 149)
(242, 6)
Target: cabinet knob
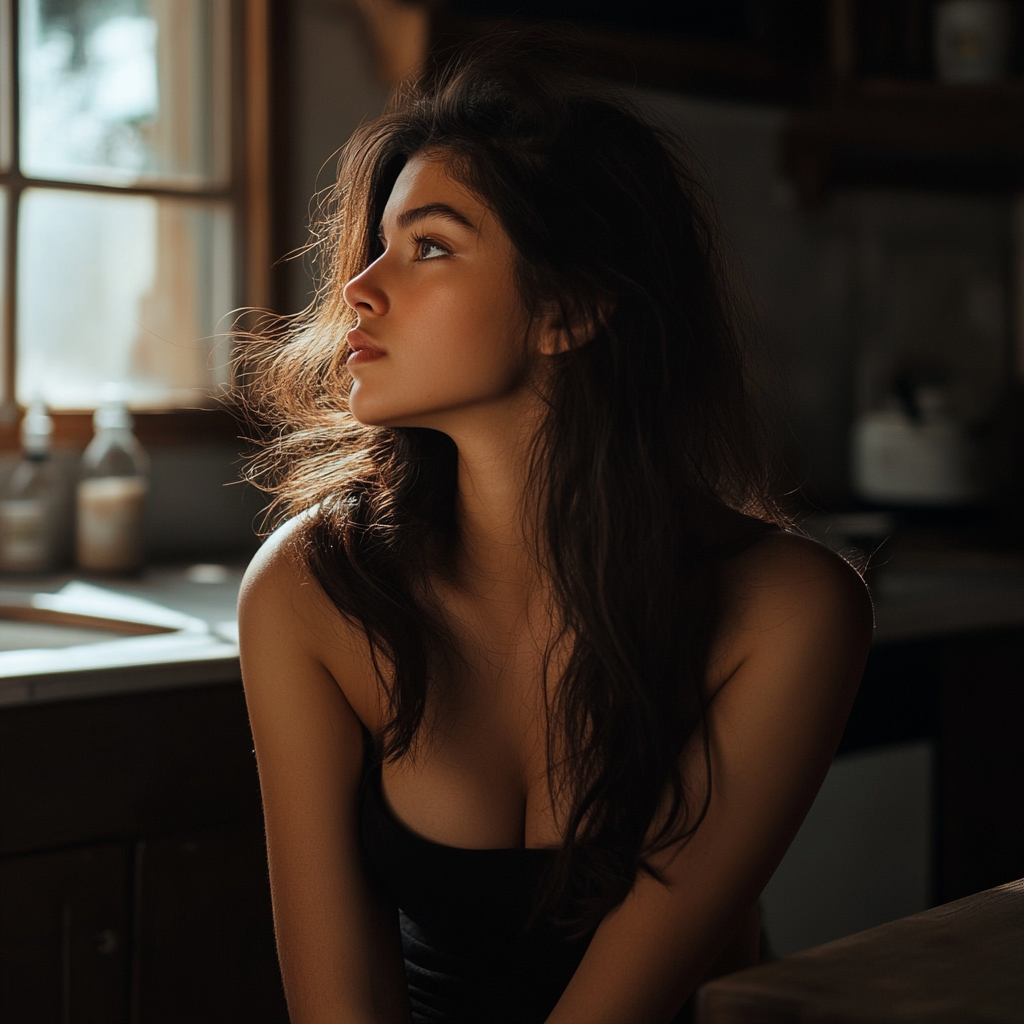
(107, 941)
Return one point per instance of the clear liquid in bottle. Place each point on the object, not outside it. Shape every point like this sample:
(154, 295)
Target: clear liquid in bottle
(111, 494)
(28, 504)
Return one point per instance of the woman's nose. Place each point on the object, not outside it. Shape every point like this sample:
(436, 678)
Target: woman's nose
(364, 294)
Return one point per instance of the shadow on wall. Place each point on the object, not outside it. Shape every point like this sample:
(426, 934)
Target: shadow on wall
(197, 504)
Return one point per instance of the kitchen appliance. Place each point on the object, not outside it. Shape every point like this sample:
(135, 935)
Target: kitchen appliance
(915, 452)
(972, 40)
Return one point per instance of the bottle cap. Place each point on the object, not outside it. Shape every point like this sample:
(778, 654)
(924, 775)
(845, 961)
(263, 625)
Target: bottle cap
(36, 429)
(112, 415)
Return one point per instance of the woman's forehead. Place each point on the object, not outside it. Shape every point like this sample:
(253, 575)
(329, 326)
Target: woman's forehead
(427, 178)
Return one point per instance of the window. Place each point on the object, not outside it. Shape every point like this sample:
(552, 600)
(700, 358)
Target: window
(132, 196)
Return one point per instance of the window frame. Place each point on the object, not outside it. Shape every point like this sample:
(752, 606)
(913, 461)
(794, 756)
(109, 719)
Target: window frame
(247, 190)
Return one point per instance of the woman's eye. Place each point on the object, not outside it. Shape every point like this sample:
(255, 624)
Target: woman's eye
(428, 249)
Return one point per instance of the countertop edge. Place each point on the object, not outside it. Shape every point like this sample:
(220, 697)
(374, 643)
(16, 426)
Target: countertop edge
(905, 621)
(104, 682)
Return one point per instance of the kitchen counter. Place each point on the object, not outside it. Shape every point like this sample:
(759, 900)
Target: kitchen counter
(925, 594)
(918, 596)
(960, 962)
(198, 602)
(133, 867)
(135, 813)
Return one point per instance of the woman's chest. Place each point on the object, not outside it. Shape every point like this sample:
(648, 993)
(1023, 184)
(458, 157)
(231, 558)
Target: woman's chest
(477, 774)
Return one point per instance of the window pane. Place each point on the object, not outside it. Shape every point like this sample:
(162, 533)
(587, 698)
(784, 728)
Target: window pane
(130, 289)
(125, 92)
(6, 42)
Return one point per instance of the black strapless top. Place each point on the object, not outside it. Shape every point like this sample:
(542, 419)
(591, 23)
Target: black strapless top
(470, 957)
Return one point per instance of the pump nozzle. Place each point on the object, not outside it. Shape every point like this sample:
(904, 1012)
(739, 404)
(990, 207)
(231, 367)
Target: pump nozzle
(36, 429)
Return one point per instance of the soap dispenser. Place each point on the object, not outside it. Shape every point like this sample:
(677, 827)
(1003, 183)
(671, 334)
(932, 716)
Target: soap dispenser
(29, 502)
(111, 494)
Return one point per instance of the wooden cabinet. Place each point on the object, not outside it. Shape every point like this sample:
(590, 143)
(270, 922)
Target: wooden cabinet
(204, 940)
(125, 765)
(64, 936)
(133, 879)
(981, 758)
(922, 135)
(966, 695)
(883, 121)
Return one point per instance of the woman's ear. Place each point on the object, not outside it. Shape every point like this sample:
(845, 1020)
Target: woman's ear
(554, 338)
(560, 329)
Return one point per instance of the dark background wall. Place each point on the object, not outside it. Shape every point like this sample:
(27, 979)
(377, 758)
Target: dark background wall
(836, 289)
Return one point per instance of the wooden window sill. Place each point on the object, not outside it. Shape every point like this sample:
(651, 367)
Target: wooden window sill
(153, 429)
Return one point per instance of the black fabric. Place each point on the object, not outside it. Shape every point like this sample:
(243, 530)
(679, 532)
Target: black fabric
(469, 956)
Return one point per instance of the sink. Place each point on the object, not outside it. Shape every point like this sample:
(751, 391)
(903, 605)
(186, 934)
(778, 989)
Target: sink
(87, 640)
(18, 636)
(78, 615)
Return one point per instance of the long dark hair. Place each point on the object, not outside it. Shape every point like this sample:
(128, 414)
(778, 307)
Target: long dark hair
(649, 469)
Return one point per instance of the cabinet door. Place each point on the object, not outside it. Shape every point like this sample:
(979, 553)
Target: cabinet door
(134, 764)
(204, 935)
(982, 759)
(63, 925)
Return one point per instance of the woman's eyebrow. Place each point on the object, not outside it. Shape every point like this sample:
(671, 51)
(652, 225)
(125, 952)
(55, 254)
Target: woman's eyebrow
(408, 217)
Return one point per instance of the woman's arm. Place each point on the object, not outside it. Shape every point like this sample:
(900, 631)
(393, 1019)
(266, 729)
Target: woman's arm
(338, 943)
(796, 634)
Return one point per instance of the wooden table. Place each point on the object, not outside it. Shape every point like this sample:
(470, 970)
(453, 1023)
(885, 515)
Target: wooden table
(961, 962)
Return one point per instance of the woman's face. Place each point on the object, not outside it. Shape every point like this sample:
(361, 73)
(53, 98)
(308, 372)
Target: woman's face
(442, 331)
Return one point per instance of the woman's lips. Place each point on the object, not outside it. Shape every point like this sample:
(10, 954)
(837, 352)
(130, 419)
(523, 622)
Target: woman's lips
(363, 349)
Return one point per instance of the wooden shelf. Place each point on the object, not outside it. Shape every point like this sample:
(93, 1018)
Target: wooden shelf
(843, 131)
(895, 133)
(720, 68)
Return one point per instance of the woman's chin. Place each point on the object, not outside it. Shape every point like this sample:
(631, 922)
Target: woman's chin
(366, 410)
(379, 410)
(368, 419)
(376, 414)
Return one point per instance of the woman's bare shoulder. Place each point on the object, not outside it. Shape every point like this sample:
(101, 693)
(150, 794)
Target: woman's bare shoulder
(780, 558)
(281, 602)
(786, 591)
(278, 580)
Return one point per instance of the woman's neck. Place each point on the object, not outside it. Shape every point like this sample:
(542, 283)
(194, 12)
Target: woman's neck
(497, 558)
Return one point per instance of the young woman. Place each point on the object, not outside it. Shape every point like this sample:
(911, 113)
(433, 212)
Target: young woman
(540, 690)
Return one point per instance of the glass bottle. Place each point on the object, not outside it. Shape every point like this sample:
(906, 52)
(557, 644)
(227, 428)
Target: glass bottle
(28, 504)
(111, 494)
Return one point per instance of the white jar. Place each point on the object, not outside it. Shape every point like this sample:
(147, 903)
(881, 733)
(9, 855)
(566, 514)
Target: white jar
(110, 520)
(930, 462)
(972, 39)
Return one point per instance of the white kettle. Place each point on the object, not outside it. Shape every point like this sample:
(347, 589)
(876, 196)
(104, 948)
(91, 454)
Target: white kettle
(920, 454)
